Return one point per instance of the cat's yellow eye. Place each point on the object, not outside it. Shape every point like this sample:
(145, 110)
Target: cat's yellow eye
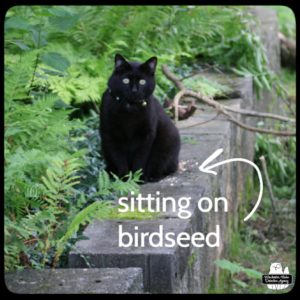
(142, 82)
(126, 80)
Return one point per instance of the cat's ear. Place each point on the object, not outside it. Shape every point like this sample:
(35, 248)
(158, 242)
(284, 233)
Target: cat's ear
(150, 65)
(120, 60)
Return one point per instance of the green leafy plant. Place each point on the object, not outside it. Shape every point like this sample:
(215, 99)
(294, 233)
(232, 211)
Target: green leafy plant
(176, 34)
(235, 269)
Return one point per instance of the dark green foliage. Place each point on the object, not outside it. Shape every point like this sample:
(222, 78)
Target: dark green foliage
(176, 34)
(235, 268)
(89, 138)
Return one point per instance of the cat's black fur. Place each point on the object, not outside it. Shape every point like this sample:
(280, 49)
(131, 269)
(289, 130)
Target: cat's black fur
(136, 132)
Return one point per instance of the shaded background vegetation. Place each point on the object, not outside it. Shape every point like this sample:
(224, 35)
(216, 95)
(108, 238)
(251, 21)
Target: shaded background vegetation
(58, 57)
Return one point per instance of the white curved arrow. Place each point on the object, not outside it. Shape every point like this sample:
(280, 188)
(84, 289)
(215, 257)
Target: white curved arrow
(207, 169)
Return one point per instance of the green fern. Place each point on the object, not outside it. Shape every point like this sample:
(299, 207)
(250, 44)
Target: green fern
(76, 86)
(60, 180)
(119, 186)
(17, 77)
(43, 225)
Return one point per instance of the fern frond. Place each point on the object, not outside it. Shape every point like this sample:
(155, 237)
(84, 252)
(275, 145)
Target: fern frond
(103, 183)
(60, 180)
(98, 209)
(18, 76)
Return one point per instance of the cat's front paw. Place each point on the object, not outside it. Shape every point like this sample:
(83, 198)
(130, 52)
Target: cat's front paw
(151, 179)
(154, 179)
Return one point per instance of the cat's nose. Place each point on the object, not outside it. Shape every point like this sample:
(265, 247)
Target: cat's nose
(134, 89)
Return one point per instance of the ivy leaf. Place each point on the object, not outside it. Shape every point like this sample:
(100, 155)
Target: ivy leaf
(64, 22)
(17, 23)
(38, 37)
(21, 45)
(56, 61)
(58, 12)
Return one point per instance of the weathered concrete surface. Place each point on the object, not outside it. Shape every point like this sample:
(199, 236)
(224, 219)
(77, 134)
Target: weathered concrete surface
(76, 281)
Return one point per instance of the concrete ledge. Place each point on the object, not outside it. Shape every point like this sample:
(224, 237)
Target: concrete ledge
(76, 281)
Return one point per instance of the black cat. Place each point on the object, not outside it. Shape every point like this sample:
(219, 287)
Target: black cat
(136, 133)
